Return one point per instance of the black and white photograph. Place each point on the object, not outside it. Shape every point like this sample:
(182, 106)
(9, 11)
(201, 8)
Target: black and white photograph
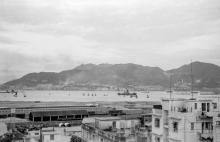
(109, 71)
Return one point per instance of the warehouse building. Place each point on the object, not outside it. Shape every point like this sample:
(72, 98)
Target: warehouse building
(40, 116)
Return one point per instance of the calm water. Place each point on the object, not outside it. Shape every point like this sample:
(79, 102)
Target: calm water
(86, 96)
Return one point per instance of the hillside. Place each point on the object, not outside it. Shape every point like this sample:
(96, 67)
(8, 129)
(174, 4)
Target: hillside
(204, 75)
(108, 76)
(90, 76)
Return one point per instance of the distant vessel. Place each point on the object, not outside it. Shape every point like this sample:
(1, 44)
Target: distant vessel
(169, 91)
(9, 91)
(16, 94)
(127, 93)
(5, 91)
(195, 92)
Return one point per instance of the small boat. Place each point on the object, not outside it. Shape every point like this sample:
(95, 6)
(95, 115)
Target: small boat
(16, 94)
(134, 96)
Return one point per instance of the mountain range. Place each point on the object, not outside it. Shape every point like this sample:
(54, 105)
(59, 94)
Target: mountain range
(116, 76)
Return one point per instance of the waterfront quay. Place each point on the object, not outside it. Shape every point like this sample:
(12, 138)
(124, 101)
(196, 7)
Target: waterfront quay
(45, 121)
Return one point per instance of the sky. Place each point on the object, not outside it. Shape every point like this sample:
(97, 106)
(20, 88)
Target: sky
(56, 35)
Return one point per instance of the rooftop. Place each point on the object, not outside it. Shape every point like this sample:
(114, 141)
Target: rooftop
(107, 118)
(13, 120)
(56, 113)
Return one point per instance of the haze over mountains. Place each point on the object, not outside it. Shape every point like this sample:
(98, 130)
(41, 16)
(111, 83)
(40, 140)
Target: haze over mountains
(112, 77)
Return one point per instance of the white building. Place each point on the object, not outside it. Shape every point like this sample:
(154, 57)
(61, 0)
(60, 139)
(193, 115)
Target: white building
(186, 120)
(33, 136)
(3, 128)
(53, 134)
(114, 129)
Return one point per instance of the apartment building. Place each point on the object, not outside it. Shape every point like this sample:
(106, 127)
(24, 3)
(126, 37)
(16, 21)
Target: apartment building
(186, 120)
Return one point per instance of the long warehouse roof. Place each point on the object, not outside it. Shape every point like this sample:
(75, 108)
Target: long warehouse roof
(59, 113)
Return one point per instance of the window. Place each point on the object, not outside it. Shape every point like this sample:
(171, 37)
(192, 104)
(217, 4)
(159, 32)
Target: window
(192, 126)
(175, 126)
(114, 124)
(51, 137)
(214, 105)
(157, 122)
(195, 105)
(157, 139)
(218, 123)
(208, 106)
(207, 125)
(203, 106)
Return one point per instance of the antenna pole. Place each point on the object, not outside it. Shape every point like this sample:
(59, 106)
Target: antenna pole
(170, 85)
(191, 79)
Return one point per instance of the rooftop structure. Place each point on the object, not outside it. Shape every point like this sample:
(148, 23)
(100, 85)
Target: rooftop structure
(115, 129)
(53, 134)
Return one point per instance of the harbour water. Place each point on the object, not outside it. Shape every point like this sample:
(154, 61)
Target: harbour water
(87, 96)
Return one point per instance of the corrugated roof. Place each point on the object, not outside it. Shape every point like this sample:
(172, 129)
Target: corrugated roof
(56, 113)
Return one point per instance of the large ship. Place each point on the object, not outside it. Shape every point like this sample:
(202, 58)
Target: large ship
(127, 93)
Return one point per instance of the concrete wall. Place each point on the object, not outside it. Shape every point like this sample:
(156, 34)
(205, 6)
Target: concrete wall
(3, 128)
(57, 138)
(126, 123)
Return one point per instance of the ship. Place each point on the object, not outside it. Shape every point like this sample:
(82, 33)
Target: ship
(127, 93)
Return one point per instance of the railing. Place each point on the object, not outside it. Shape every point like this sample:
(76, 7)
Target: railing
(157, 111)
(204, 116)
(107, 135)
(166, 123)
(206, 134)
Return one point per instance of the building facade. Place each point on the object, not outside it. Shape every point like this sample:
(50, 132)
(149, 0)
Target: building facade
(186, 120)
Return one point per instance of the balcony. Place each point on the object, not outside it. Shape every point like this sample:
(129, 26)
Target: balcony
(165, 121)
(204, 116)
(157, 112)
(206, 135)
(166, 125)
(176, 116)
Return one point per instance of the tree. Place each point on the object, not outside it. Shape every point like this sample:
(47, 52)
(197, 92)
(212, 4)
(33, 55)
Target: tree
(6, 137)
(75, 139)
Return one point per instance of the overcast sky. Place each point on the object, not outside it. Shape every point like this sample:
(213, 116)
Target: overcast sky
(55, 35)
